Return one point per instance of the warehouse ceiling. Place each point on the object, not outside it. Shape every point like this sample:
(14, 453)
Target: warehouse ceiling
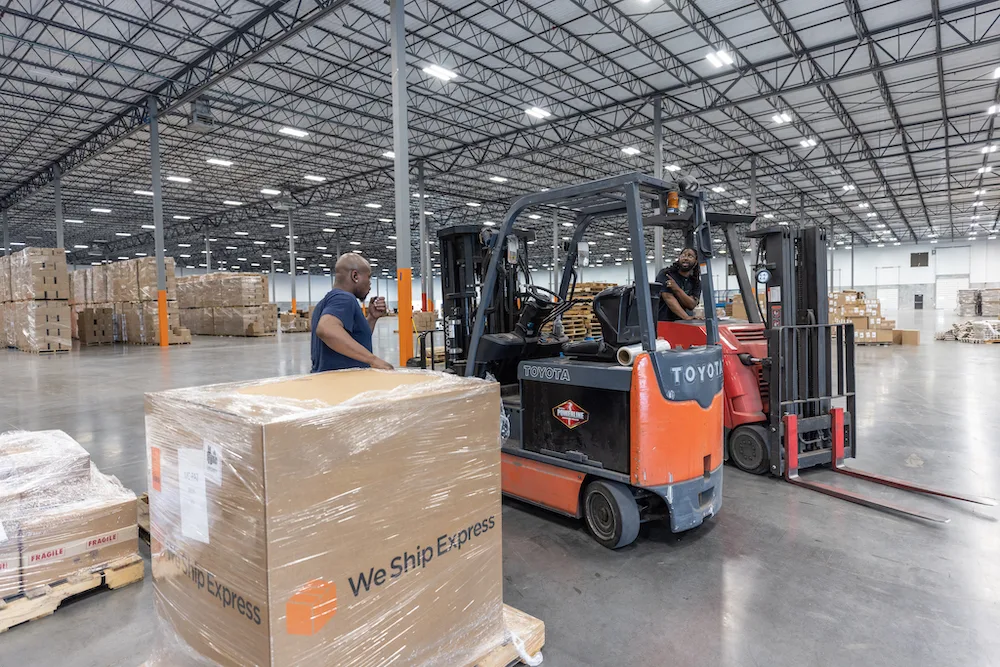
(873, 118)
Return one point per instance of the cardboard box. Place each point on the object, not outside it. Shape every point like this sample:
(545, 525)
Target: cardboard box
(39, 273)
(888, 325)
(4, 279)
(739, 310)
(883, 336)
(860, 323)
(90, 530)
(353, 553)
(146, 278)
(123, 281)
(906, 337)
(10, 556)
(142, 323)
(244, 320)
(41, 326)
(95, 326)
(199, 321)
(422, 321)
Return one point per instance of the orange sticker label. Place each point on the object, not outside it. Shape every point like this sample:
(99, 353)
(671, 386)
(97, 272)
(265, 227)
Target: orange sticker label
(154, 464)
(309, 609)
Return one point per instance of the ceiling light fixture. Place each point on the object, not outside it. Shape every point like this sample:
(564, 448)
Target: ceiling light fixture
(232, 202)
(243, 234)
(741, 202)
(498, 179)
(314, 179)
(144, 193)
(780, 118)
(100, 210)
(182, 217)
(386, 220)
(355, 242)
(292, 132)
(537, 112)
(807, 143)
(178, 179)
(389, 154)
(719, 58)
(985, 170)
(440, 72)
(534, 216)
(631, 150)
(329, 230)
(473, 204)
(219, 162)
(718, 189)
(149, 226)
(769, 215)
(270, 191)
(122, 234)
(373, 205)
(672, 167)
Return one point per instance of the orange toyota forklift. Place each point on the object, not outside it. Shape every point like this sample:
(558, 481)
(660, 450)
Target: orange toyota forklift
(789, 374)
(584, 434)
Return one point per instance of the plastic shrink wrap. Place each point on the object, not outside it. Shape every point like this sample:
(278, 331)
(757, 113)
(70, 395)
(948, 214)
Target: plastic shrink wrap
(39, 273)
(41, 326)
(348, 518)
(58, 514)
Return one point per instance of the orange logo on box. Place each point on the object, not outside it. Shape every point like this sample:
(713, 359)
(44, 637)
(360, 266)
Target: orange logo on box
(309, 609)
(154, 464)
(570, 414)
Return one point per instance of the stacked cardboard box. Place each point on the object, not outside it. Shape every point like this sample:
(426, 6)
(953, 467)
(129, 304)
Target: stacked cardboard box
(129, 289)
(96, 325)
(850, 306)
(338, 563)
(294, 323)
(34, 301)
(968, 302)
(227, 304)
(59, 516)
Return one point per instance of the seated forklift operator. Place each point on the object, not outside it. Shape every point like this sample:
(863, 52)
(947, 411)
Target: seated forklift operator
(681, 288)
(342, 334)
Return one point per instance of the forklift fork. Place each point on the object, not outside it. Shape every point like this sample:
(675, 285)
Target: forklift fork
(791, 440)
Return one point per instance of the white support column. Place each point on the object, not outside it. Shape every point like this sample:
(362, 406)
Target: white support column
(208, 255)
(161, 269)
(274, 290)
(57, 200)
(401, 176)
(427, 298)
(555, 252)
(658, 173)
(309, 285)
(291, 258)
(6, 232)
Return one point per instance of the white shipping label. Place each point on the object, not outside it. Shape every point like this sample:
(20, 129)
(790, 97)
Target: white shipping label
(77, 547)
(774, 294)
(194, 503)
(213, 463)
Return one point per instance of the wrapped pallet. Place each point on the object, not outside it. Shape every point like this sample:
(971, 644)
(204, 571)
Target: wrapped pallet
(147, 279)
(199, 321)
(990, 300)
(42, 326)
(5, 279)
(60, 518)
(39, 273)
(370, 546)
(142, 323)
(123, 281)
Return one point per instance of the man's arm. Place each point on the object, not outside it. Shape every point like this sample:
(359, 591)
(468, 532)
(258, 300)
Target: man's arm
(376, 309)
(331, 331)
(674, 305)
(685, 299)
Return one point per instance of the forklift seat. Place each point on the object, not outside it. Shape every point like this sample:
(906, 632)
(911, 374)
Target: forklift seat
(618, 314)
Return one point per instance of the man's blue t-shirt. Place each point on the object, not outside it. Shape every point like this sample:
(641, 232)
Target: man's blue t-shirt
(345, 307)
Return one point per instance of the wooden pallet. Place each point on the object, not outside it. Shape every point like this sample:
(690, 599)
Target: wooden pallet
(44, 600)
(869, 344)
(527, 627)
(142, 517)
(979, 341)
(45, 351)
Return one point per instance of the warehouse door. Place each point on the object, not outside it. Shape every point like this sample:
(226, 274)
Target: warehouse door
(888, 298)
(946, 292)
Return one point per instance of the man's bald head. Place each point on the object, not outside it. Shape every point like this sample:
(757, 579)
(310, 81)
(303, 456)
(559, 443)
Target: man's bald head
(353, 274)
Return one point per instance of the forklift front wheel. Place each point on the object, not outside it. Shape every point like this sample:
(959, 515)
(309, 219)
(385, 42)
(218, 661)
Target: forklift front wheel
(748, 449)
(611, 513)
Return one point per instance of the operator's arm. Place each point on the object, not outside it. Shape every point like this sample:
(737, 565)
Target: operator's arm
(377, 308)
(687, 301)
(331, 331)
(674, 305)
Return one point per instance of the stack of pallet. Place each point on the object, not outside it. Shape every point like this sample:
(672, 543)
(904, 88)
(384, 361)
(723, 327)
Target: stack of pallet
(295, 322)
(34, 301)
(95, 326)
(227, 304)
(982, 331)
(580, 322)
(65, 528)
(968, 303)
(129, 289)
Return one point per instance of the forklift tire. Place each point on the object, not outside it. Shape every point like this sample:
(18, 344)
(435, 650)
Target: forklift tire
(748, 449)
(611, 513)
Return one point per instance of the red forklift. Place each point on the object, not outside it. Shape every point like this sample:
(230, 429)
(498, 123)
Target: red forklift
(584, 434)
(789, 375)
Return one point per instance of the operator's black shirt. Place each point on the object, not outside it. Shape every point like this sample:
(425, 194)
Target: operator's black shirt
(690, 284)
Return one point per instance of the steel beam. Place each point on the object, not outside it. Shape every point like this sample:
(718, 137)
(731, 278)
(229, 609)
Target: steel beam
(161, 269)
(401, 179)
(658, 173)
(58, 205)
(291, 259)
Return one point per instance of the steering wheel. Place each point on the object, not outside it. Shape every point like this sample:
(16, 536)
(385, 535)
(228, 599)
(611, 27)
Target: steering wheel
(542, 295)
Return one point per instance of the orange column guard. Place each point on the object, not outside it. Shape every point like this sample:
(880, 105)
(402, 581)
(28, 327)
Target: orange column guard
(404, 290)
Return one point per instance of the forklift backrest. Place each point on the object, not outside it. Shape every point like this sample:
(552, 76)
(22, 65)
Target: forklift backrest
(618, 312)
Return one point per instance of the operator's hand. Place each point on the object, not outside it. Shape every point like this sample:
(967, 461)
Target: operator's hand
(381, 365)
(377, 307)
(671, 285)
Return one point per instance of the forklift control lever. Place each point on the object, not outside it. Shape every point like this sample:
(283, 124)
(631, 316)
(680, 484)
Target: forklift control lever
(750, 360)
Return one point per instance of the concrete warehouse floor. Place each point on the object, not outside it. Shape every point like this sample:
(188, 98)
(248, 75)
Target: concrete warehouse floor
(783, 576)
